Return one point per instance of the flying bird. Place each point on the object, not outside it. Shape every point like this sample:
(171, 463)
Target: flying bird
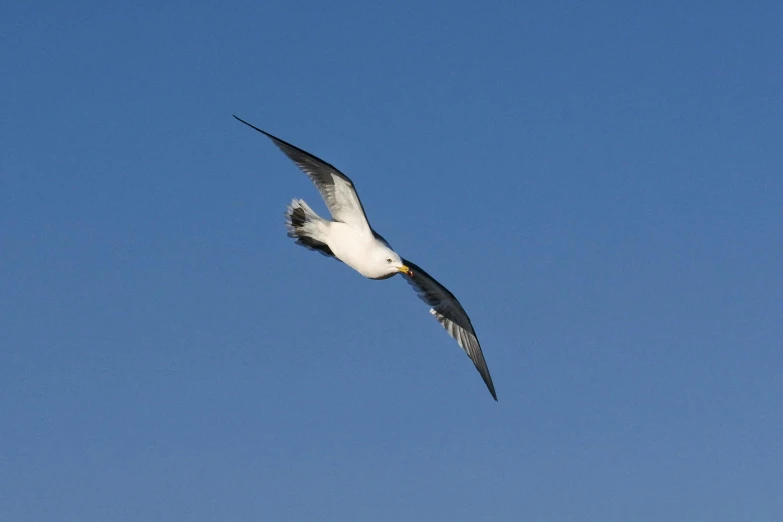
(350, 238)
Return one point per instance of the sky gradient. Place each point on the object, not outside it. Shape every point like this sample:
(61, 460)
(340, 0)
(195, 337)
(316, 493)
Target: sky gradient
(599, 184)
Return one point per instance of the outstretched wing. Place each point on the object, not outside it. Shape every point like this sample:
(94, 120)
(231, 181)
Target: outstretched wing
(451, 316)
(335, 187)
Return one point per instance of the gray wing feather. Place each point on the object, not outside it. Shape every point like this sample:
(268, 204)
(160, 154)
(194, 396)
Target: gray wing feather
(335, 187)
(451, 315)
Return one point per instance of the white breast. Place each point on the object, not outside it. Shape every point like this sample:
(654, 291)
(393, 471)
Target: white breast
(355, 249)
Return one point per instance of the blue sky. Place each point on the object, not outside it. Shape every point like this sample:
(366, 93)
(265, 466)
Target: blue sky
(599, 184)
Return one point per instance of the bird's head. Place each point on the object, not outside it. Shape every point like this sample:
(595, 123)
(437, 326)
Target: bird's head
(391, 263)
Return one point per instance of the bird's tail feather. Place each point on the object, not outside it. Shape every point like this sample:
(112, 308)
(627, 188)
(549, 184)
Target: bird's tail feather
(303, 225)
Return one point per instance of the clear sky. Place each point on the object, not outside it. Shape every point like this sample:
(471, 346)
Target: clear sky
(600, 185)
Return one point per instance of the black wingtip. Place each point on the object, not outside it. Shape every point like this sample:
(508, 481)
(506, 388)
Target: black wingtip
(483, 370)
(288, 148)
(492, 391)
(254, 127)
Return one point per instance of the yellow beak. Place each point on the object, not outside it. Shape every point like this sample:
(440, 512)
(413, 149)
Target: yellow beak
(405, 270)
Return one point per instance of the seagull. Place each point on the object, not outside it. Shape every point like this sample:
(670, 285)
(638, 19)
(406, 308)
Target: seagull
(349, 238)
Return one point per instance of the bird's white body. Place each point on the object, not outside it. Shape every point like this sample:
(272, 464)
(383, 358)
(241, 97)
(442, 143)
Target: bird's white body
(363, 253)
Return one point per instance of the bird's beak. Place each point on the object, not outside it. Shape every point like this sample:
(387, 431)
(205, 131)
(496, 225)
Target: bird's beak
(405, 270)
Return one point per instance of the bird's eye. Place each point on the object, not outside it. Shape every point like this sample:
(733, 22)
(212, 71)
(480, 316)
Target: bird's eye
(389, 260)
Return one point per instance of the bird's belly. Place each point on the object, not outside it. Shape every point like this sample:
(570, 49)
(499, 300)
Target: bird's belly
(351, 247)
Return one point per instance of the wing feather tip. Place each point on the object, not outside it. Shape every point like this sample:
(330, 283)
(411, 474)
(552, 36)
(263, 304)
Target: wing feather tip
(492, 391)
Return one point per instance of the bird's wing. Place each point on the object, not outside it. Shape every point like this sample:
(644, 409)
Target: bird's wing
(451, 316)
(337, 190)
